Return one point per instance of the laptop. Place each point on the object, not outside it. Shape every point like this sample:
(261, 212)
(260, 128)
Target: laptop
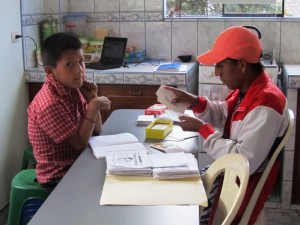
(112, 54)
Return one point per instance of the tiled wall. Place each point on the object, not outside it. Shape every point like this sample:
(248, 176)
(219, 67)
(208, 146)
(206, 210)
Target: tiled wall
(142, 22)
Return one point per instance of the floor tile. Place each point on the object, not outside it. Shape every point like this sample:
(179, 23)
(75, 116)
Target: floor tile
(282, 217)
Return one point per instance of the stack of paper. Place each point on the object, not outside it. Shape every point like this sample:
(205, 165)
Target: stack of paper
(134, 163)
(189, 169)
(145, 120)
(103, 144)
(162, 166)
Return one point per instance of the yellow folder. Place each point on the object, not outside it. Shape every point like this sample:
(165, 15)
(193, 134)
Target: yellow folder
(131, 190)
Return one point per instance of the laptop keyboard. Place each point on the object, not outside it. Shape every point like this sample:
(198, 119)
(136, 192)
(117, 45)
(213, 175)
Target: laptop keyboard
(101, 66)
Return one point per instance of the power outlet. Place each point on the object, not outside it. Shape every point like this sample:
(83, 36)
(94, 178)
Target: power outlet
(14, 38)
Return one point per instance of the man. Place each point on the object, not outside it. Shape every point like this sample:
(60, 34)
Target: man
(253, 116)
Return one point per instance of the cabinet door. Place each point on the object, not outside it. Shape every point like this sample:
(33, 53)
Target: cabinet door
(33, 89)
(128, 97)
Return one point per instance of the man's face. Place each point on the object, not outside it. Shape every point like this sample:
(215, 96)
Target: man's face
(70, 69)
(231, 73)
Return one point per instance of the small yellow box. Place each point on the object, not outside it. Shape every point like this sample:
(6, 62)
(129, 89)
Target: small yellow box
(159, 129)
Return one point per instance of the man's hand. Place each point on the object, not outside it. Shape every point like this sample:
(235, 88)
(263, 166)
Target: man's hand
(89, 90)
(183, 96)
(188, 123)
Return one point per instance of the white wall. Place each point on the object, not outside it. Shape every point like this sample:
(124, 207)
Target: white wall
(13, 98)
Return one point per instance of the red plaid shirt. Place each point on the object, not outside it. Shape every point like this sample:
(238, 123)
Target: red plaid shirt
(53, 116)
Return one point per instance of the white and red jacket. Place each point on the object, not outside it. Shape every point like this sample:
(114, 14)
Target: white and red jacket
(251, 130)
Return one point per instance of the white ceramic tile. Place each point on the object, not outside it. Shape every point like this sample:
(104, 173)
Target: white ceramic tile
(286, 194)
(113, 28)
(39, 6)
(158, 40)
(237, 22)
(207, 33)
(184, 39)
(52, 6)
(27, 6)
(29, 46)
(82, 6)
(107, 6)
(288, 166)
(290, 48)
(132, 5)
(154, 5)
(270, 36)
(135, 32)
(64, 6)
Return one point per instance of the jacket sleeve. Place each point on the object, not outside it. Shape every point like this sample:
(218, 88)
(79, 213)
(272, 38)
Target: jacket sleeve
(212, 112)
(253, 136)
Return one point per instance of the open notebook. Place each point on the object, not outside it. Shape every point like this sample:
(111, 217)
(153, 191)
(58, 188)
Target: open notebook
(103, 144)
(112, 54)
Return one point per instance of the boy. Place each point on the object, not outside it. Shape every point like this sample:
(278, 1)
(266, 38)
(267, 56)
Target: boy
(65, 112)
(253, 117)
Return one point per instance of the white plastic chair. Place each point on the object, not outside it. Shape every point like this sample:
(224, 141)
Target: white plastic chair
(258, 189)
(234, 166)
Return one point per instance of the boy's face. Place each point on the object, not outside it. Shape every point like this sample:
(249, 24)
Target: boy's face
(70, 69)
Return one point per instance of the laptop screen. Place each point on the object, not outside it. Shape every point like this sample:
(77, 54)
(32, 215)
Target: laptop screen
(113, 50)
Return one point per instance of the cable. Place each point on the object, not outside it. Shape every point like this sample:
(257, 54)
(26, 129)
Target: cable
(21, 36)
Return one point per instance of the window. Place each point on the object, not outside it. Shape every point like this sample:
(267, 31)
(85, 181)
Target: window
(222, 8)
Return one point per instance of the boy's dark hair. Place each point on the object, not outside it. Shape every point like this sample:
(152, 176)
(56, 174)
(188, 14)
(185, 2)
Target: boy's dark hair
(55, 45)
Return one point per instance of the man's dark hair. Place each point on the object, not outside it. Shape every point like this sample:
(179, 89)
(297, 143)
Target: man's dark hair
(55, 45)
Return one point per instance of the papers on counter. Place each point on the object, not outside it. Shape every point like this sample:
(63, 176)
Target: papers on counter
(103, 144)
(161, 166)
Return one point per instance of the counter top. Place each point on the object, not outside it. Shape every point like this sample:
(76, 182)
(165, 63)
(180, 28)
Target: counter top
(143, 73)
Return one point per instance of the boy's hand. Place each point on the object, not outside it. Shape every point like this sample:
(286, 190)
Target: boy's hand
(89, 90)
(183, 96)
(104, 103)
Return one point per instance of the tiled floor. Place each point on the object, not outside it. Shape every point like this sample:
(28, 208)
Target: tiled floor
(272, 217)
(282, 217)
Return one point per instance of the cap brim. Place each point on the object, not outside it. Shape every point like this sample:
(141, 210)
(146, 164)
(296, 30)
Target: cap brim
(210, 58)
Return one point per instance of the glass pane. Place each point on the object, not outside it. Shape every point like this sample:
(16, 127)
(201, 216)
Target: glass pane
(254, 9)
(291, 8)
(204, 8)
(192, 8)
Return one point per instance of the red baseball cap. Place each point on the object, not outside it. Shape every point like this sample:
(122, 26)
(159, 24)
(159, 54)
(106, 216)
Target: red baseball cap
(236, 42)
